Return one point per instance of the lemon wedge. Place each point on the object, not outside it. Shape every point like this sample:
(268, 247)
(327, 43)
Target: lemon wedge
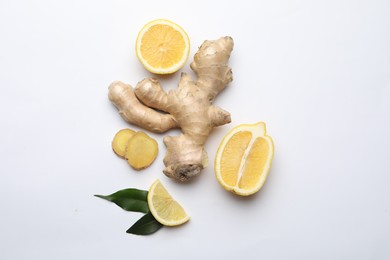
(244, 159)
(164, 208)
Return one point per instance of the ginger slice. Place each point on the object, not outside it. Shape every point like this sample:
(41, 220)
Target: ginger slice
(119, 143)
(141, 150)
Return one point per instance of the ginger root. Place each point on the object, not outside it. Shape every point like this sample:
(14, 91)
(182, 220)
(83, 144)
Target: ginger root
(188, 107)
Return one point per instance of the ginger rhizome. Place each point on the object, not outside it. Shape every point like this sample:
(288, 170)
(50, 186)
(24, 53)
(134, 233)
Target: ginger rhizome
(188, 107)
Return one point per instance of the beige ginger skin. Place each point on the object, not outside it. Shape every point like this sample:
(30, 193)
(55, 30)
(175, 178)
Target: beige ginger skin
(188, 107)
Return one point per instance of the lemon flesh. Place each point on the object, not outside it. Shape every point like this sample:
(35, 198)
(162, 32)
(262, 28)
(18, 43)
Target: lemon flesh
(162, 46)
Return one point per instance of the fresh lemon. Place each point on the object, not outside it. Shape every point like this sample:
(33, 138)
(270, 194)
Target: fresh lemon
(164, 208)
(162, 46)
(244, 159)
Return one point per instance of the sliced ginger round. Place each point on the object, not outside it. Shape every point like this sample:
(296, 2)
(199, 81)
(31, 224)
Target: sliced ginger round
(164, 208)
(244, 159)
(141, 150)
(162, 47)
(119, 143)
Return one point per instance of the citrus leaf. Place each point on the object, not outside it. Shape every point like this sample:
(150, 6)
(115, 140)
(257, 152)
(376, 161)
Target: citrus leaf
(129, 199)
(145, 225)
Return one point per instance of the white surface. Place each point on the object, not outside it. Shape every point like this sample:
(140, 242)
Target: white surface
(317, 72)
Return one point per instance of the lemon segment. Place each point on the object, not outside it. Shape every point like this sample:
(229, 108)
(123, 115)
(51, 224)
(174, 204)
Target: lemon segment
(232, 156)
(255, 164)
(244, 159)
(164, 208)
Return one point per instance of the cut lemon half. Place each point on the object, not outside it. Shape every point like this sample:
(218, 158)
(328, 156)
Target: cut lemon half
(162, 47)
(164, 208)
(244, 159)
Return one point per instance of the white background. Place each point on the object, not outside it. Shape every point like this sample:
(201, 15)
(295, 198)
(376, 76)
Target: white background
(317, 72)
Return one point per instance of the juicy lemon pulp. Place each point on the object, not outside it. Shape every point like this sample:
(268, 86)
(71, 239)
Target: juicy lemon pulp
(232, 156)
(254, 164)
(244, 158)
(164, 50)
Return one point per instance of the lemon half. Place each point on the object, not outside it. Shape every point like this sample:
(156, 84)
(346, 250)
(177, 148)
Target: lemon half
(162, 46)
(244, 159)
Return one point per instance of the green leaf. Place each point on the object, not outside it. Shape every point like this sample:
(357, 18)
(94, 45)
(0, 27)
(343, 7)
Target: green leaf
(145, 225)
(129, 199)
